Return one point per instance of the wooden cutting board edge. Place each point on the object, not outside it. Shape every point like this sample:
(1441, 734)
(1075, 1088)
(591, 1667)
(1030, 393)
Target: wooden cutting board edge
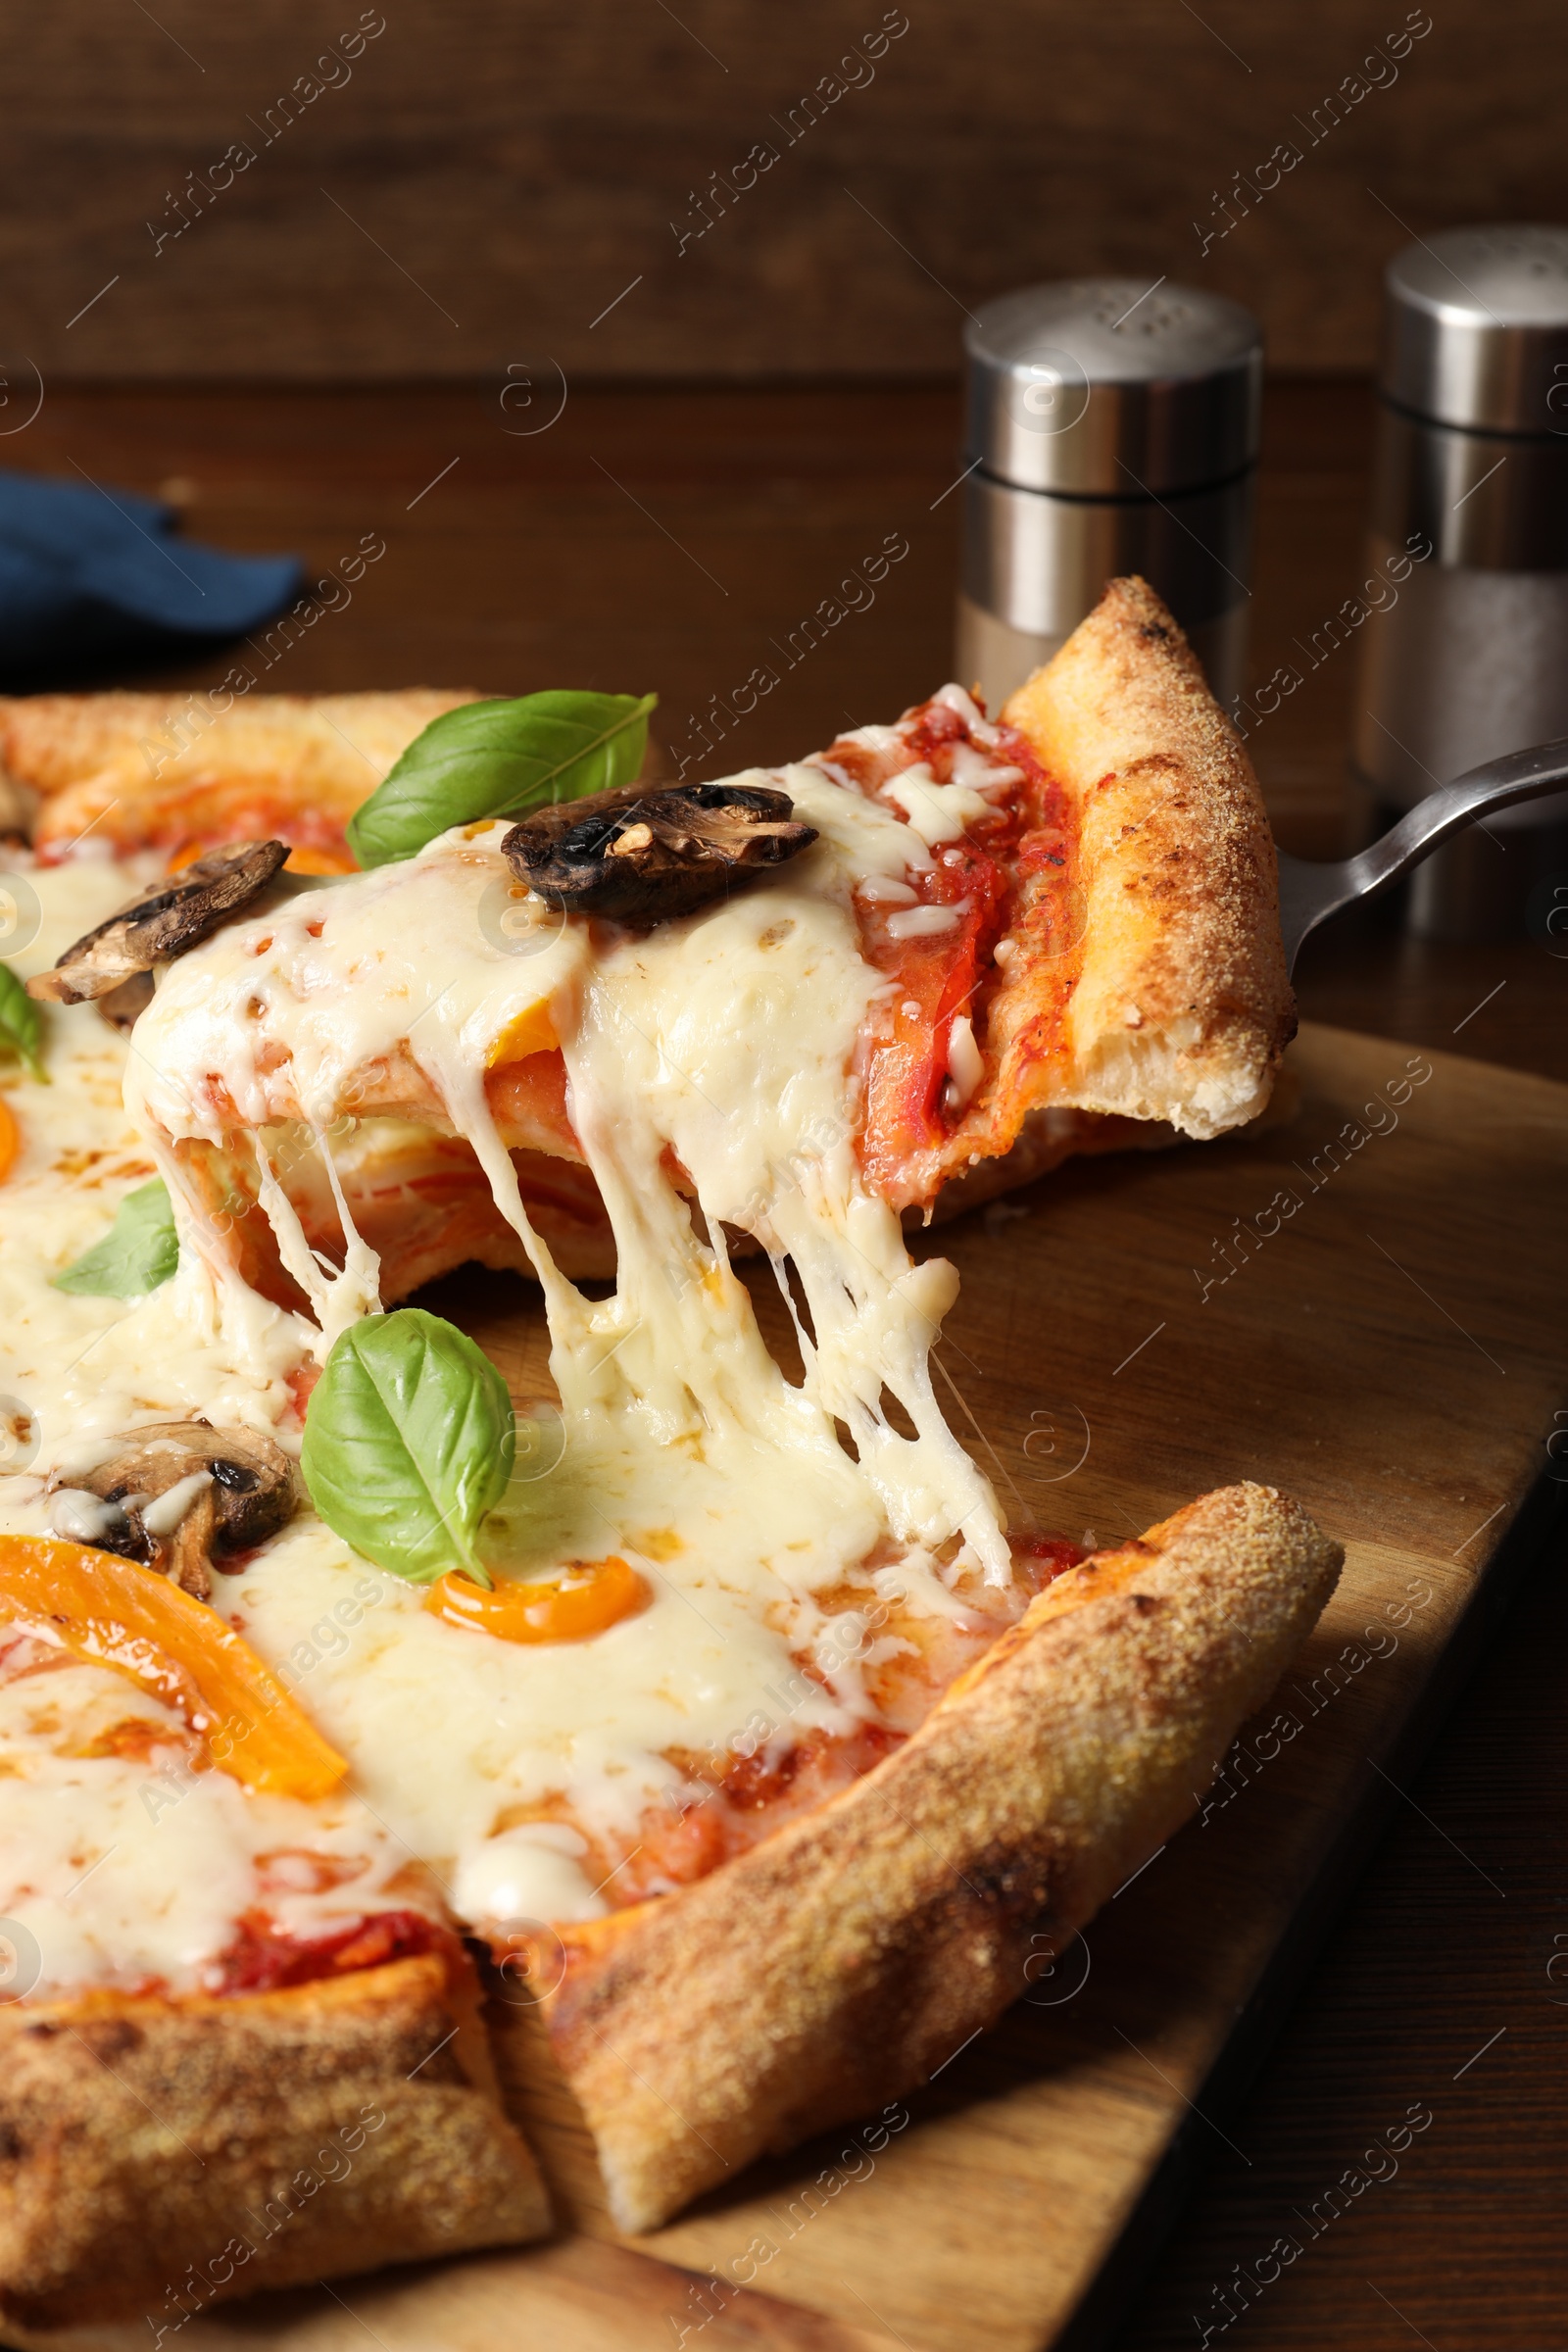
(1541, 1517)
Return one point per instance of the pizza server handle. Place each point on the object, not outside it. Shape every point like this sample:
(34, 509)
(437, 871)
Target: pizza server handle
(1311, 893)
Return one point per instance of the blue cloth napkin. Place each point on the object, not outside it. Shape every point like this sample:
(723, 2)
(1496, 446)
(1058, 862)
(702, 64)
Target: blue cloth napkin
(93, 576)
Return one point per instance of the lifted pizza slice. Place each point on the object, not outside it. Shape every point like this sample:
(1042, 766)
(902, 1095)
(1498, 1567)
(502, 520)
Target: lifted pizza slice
(1051, 935)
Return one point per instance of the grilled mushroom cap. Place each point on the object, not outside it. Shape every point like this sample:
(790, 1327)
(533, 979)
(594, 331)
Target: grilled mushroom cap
(162, 922)
(643, 856)
(235, 1489)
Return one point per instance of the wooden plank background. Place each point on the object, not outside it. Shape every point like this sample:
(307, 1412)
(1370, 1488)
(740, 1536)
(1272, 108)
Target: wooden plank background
(473, 186)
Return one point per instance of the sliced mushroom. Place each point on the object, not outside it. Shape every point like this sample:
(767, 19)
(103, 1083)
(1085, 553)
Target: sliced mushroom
(643, 856)
(162, 922)
(124, 1006)
(178, 1497)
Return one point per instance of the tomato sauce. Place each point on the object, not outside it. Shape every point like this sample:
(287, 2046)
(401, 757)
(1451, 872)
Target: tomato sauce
(1038, 1560)
(731, 1802)
(735, 1801)
(264, 1957)
(1010, 857)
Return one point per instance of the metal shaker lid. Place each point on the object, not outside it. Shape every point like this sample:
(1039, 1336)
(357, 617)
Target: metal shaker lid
(1112, 387)
(1475, 328)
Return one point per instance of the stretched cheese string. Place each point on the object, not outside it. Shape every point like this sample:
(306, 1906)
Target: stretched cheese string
(336, 1300)
(721, 1047)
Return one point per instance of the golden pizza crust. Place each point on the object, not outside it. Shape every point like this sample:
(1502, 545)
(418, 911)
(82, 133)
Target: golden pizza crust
(1144, 983)
(1183, 1004)
(170, 771)
(157, 2156)
(841, 1961)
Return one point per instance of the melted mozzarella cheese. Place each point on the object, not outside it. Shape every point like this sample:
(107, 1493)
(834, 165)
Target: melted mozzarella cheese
(938, 813)
(122, 1868)
(86, 1368)
(122, 1862)
(723, 1046)
(726, 1040)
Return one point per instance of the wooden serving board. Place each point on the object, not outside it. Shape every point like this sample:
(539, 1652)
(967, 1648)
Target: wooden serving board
(1389, 1344)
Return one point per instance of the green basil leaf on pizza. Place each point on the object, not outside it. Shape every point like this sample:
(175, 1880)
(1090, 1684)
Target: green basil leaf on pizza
(137, 1254)
(408, 1442)
(21, 1023)
(501, 759)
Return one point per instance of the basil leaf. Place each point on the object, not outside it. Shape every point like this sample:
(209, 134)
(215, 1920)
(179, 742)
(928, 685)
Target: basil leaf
(138, 1254)
(409, 1442)
(501, 759)
(21, 1022)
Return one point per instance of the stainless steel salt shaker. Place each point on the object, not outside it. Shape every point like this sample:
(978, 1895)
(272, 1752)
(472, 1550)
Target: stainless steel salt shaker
(1465, 648)
(1111, 426)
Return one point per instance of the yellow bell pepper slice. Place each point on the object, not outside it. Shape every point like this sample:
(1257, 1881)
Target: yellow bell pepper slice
(115, 1613)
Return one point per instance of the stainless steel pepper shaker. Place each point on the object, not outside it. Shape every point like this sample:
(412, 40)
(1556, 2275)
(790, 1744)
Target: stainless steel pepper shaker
(1111, 426)
(1465, 648)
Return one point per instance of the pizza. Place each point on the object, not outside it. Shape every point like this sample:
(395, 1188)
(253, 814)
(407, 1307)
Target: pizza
(179, 773)
(707, 1741)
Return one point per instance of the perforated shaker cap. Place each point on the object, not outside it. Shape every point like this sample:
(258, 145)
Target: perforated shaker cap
(1475, 328)
(1112, 387)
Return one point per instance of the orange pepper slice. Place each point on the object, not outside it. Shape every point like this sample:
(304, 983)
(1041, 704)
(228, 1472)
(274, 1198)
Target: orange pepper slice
(302, 861)
(298, 862)
(583, 1601)
(115, 1613)
(9, 1140)
(530, 1031)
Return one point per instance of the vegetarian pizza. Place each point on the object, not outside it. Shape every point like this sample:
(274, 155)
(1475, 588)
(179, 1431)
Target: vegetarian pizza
(712, 1712)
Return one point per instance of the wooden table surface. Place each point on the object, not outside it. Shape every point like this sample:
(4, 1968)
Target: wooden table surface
(675, 539)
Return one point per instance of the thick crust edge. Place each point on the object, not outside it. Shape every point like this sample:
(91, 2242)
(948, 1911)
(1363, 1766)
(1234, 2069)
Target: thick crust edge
(1183, 1005)
(842, 1960)
(157, 2156)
